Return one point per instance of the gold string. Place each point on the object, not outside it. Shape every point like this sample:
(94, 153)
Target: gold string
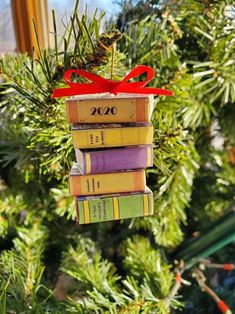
(112, 60)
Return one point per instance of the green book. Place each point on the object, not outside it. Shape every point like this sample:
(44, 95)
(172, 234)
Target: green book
(108, 207)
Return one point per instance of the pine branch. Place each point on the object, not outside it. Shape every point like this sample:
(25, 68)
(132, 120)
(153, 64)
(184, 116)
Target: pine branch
(21, 271)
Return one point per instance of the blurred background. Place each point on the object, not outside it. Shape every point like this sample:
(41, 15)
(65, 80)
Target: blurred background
(13, 11)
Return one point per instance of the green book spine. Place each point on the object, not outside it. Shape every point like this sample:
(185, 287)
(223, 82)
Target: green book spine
(114, 206)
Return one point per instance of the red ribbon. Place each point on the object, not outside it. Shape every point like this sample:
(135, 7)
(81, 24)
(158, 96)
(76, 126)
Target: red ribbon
(101, 85)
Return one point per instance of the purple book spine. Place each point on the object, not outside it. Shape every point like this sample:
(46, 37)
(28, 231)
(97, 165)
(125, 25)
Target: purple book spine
(120, 159)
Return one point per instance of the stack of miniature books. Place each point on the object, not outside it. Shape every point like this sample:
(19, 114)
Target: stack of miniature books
(112, 137)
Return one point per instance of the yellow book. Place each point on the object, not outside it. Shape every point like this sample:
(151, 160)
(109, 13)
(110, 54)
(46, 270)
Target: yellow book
(105, 183)
(106, 108)
(111, 135)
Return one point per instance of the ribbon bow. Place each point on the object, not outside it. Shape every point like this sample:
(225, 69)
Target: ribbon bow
(101, 85)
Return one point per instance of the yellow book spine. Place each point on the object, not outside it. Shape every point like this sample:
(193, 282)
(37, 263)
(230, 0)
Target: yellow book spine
(109, 110)
(149, 156)
(111, 137)
(116, 182)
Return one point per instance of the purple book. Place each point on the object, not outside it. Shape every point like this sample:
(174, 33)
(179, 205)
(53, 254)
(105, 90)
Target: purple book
(111, 160)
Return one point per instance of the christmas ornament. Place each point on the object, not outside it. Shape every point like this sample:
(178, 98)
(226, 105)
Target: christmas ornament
(112, 136)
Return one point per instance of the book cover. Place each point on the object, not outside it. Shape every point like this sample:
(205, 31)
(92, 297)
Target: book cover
(101, 208)
(108, 108)
(110, 160)
(105, 183)
(111, 135)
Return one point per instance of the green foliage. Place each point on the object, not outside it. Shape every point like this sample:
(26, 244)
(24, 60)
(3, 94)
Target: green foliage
(149, 265)
(219, 179)
(148, 41)
(99, 288)
(21, 272)
(115, 267)
(217, 74)
(96, 276)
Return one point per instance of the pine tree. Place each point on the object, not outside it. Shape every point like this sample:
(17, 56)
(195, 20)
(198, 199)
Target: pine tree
(48, 263)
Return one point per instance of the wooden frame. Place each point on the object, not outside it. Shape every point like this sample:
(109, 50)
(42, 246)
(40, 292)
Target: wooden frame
(24, 12)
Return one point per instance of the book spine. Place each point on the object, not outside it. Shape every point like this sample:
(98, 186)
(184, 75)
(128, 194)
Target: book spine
(109, 110)
(115, 182)
(112, 137)
(109, 208)
(118, 159)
